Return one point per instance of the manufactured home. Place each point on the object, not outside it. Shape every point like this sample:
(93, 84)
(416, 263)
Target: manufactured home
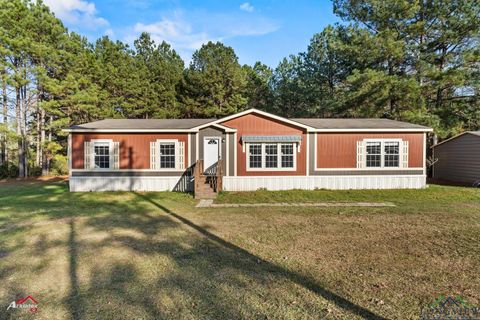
(246, 151)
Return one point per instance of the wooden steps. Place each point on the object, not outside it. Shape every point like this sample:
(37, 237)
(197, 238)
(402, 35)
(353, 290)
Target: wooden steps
(204, 188)
(207, 186)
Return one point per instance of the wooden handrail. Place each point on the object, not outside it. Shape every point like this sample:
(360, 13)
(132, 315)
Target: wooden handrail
(215, 180)
(219, 175)
(197, 172)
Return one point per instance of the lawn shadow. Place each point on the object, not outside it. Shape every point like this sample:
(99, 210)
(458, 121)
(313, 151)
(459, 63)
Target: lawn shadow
(247, 262)
(209, 274)
(74, 301)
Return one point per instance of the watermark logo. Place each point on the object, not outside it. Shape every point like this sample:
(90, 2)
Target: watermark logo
(28, 303)
(448, 307)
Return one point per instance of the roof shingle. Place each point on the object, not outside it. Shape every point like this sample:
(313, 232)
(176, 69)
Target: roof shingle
(114, 124)
(339, 123)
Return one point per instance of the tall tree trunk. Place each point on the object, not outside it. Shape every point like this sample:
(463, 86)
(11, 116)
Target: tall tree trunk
(42, 142)
(50, 121)
(38, 157)
(4, 148)
(25, 134)
(18, 113)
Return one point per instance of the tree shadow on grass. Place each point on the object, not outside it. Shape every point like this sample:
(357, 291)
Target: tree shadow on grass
(208, 272)
(173, 272)
(305, 281)
(74, 301)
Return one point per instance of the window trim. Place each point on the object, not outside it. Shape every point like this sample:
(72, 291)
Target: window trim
(163, 142)
(110, 154)
(382, 153)
(157, 153)
(264, 155)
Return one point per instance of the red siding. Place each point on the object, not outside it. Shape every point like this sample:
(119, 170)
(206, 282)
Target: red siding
(339, 150)
(252, 124)
(134, 147)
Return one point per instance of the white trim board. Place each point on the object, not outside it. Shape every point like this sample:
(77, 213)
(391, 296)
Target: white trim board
(226, 129)
(425, 153)
(227, 151)
(393, 169)
(189, 160)
(363, 130)
(194, 130)
(307, 155)
(86, 130)
(235, 147)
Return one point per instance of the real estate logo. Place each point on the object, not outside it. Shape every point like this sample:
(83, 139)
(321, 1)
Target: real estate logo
(28, 303)
(450, 308)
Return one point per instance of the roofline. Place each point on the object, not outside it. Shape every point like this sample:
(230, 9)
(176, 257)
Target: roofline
(217, 122)
(227, 129)
(454, 137)
(263, 113)
(127, 130)
(196, 129)
(191, 130)
(376, 130)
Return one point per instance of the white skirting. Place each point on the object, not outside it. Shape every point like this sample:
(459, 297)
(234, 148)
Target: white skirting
(324, 182)
(85, 184)
(138, 183)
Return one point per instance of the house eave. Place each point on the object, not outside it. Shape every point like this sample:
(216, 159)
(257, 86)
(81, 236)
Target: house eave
(84, 130)
(376, 130)
(194, 130)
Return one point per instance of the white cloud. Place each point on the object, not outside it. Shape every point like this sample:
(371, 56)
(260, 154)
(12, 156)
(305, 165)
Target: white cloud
(109, 33)
(177, 32)
(246, 6)
(186, 32)
(77, 12)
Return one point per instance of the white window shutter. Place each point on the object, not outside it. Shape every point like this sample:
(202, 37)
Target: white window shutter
(116, 155)
(404, 154)
(87, 155)
(361, 154)
(154, 156)
(180, 155)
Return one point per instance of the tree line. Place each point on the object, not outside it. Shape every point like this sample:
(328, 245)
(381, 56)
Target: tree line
(411, 60)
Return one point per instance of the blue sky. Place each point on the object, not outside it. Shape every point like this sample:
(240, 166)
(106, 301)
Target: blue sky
(263, 31)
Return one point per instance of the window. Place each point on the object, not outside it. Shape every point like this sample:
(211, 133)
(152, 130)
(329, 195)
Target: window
(255, 155)
(374, 154)
(287, 155)
(382, 154)
(101, 155)
(392, 154)
(167, 155)
(271, 156)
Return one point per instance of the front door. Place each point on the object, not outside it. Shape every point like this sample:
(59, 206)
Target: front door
(211, 151)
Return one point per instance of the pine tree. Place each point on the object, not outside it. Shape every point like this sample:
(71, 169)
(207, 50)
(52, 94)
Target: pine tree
(214, 83)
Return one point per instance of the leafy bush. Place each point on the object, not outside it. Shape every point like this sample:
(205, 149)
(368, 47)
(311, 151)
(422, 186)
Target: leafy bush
(8, 170)
(34, 171)
(59, 165)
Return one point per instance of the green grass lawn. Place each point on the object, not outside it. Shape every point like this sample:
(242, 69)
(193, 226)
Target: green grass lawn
(153, 255)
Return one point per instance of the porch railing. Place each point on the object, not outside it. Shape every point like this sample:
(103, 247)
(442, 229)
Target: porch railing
(211, 175)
